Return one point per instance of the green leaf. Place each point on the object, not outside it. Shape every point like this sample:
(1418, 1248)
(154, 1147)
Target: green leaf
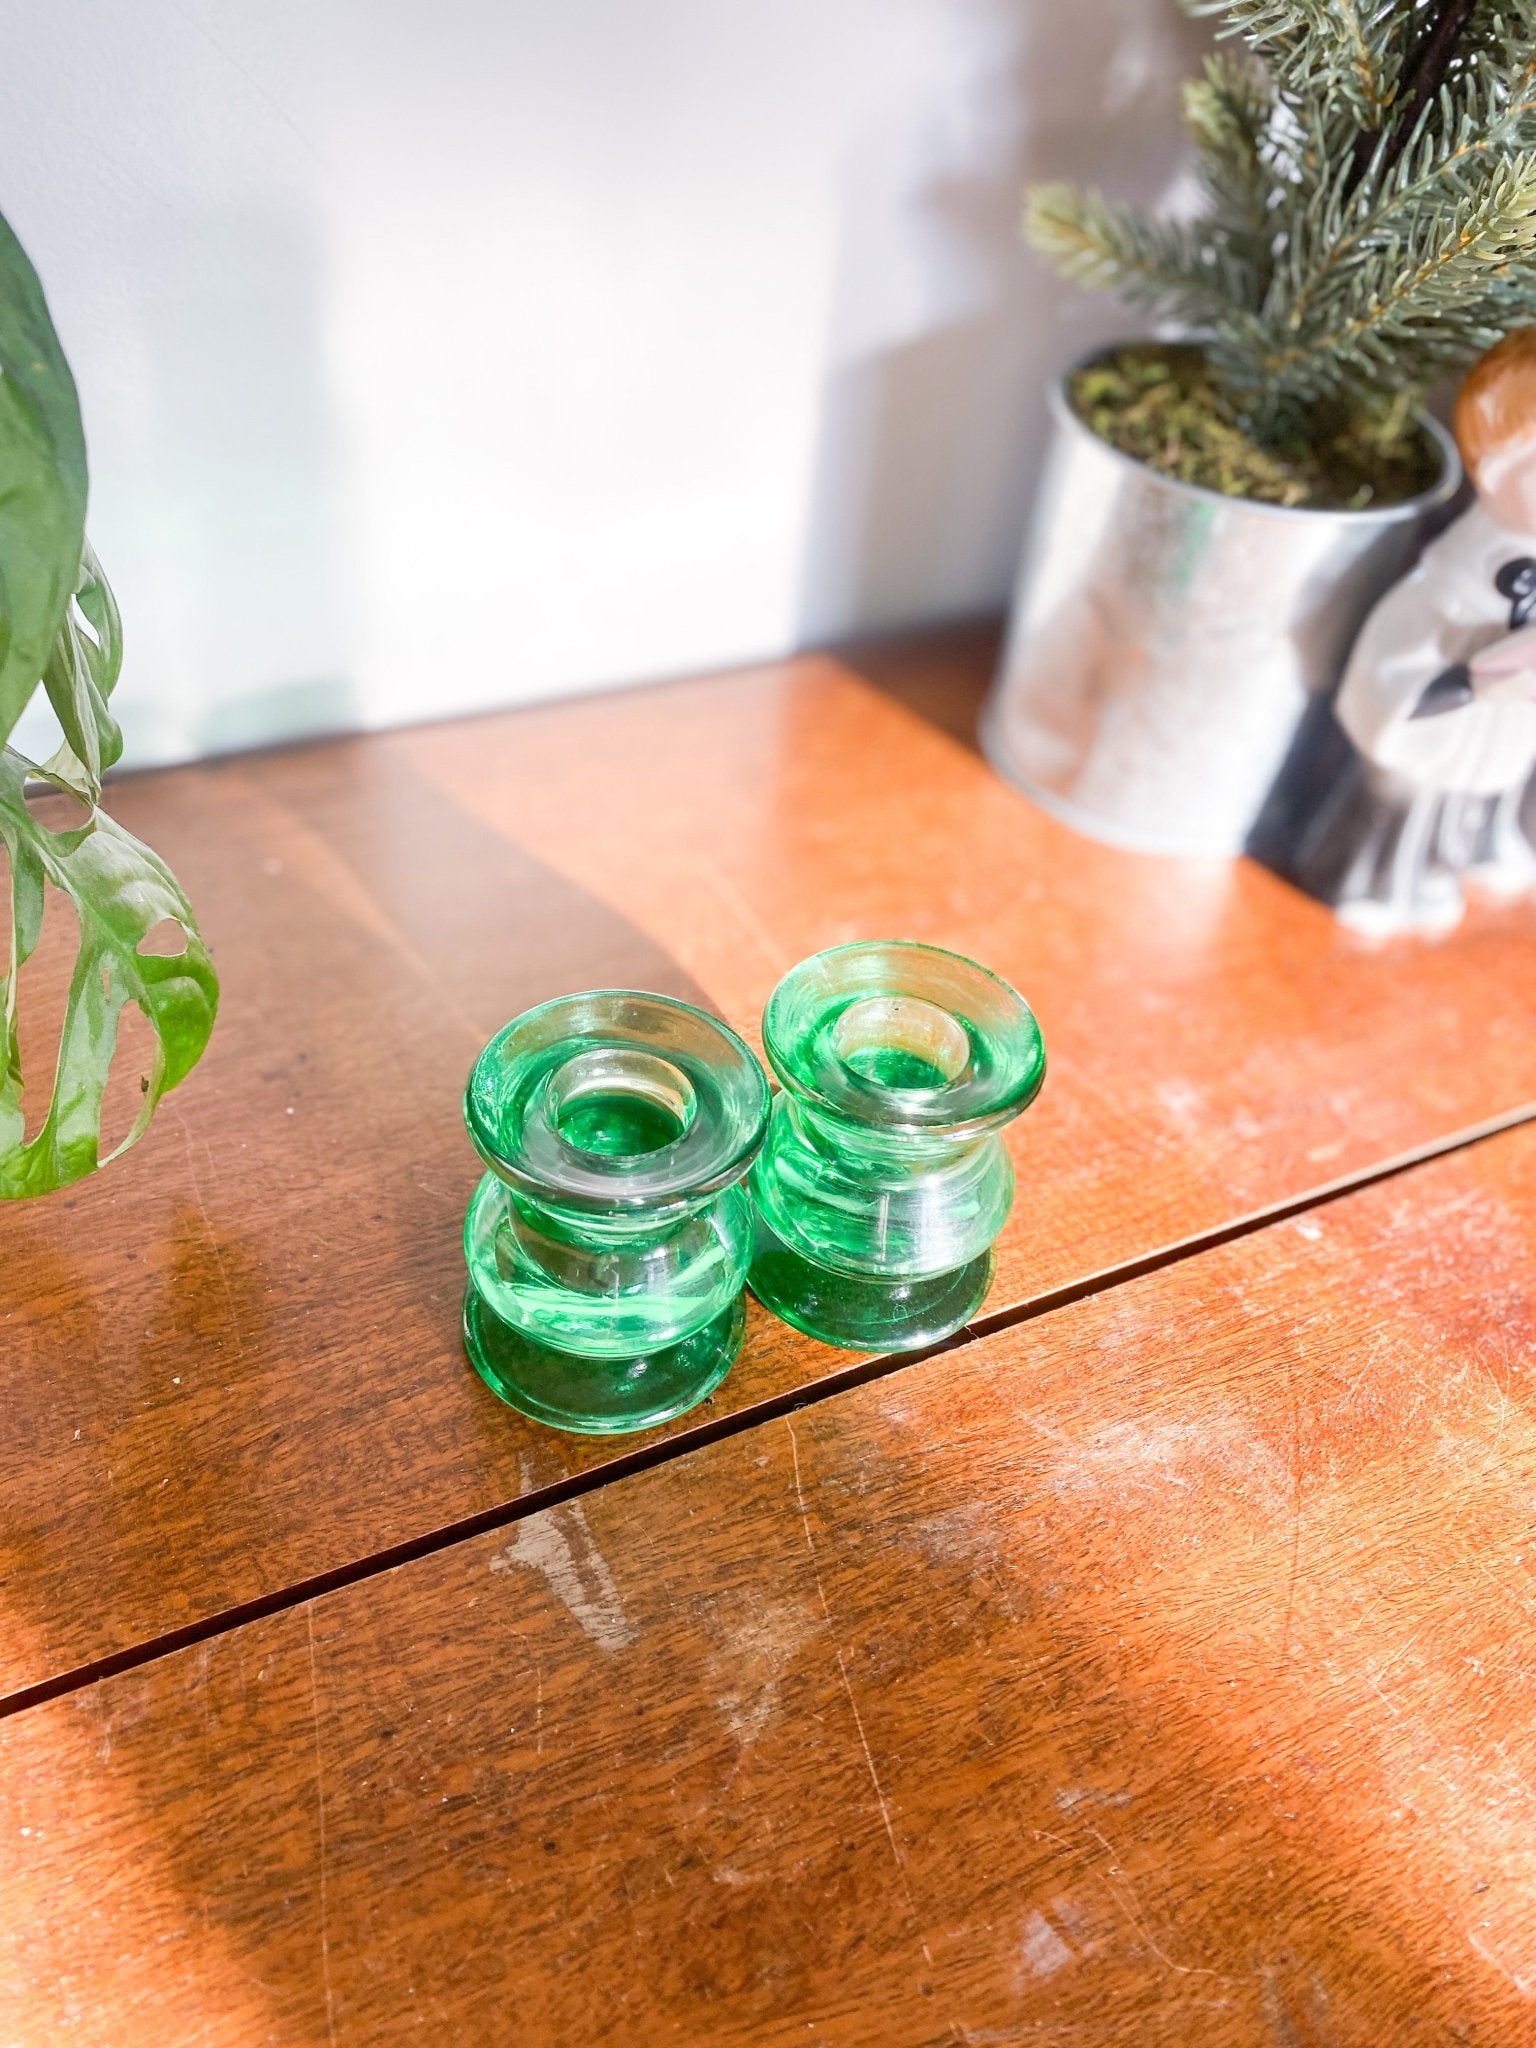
(42, 483)
(120, 891)
(81, 674)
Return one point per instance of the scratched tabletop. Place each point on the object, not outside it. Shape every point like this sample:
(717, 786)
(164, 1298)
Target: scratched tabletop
(1148, 1666)
(1156, 1671)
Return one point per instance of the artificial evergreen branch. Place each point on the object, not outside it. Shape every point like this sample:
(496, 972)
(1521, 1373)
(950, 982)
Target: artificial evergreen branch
(1227, 115)
(1417, 303)
(1160, 264)
(1369, 211)
(1344, 47)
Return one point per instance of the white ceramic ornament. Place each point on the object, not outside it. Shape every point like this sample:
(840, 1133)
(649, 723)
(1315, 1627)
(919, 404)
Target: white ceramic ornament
(1423, 782)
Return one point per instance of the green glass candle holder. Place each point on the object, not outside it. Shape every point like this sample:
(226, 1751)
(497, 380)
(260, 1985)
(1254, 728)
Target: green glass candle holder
(883, 1181)
(608, 1243)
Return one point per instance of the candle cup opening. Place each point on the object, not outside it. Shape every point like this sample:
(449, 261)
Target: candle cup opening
(902, 1043)
(619, 1102)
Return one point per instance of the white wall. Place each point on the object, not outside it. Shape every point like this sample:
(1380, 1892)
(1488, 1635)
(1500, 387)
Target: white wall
(441, 355)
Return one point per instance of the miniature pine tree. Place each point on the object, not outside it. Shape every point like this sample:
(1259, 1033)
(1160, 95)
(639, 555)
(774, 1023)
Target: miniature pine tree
(1368, 170)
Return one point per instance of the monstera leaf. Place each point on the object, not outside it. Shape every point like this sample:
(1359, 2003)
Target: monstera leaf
(81, 675)
(42, 483)
(121, 893)
(59, 628)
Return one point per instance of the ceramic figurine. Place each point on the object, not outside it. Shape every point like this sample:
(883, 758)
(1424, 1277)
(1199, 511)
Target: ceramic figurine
(1418, 778)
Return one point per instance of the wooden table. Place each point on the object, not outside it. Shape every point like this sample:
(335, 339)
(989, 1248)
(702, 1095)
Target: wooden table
(1151, 1665)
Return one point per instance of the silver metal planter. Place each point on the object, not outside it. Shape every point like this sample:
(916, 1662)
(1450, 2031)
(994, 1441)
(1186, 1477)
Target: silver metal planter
(1166, 640)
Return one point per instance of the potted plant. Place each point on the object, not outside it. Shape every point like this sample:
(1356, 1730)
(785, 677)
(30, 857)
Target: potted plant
(1220, 509)
(59, 631)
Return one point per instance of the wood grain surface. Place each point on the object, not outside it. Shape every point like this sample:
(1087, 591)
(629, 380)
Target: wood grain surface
(1156, 1673)
(232, 1363)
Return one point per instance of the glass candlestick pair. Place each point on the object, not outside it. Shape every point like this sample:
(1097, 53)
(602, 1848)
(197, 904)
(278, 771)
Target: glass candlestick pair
(612, 1236)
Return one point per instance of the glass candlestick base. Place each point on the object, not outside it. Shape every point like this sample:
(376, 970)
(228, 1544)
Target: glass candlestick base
(883, 1182)
(859, 1314)
(599, 1396)
(608, 1243)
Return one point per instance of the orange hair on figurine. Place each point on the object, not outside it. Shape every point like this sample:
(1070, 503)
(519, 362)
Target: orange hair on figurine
(1496, 409)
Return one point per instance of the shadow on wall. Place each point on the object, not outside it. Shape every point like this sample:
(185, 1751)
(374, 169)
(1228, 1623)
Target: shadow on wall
(237, 396)
(929, 441)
